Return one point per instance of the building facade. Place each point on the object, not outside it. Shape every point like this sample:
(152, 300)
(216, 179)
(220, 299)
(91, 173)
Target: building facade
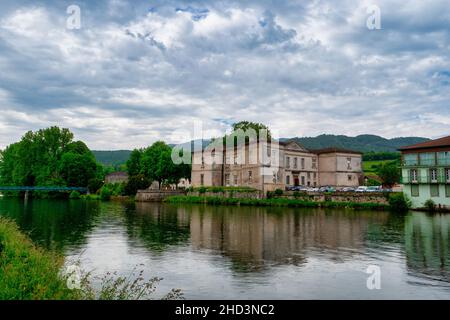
(426, 172)
(268, 167)
(116, 177)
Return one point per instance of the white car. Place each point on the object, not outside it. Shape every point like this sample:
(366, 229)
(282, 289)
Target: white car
(361, 189)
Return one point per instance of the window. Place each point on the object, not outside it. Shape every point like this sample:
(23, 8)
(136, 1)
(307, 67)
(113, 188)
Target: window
(444, 158)
(350, 177)
(447, 190)
(288, 180)
(427, 159)
(434, 190)
(410, 159)
(447, 175)
(349, 163)
(235, 158)
(295, 163)
(235, 180)
(414, 190)
(314, 163)
(303, 180)
(227, 179)
(288, 162)
(433, 175)
(413, 175)
(303, 163)
(202, 179)
(309, 175)
(314, 175)
(269, 152)
(250, 176)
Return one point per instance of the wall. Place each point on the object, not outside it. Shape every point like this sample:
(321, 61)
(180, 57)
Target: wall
(156, 195)
(424, 195)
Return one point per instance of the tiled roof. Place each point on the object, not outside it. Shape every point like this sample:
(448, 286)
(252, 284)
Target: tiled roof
(335, 150)
(442, 142)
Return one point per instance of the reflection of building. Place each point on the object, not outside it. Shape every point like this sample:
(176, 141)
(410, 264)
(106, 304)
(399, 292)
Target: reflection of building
(116, 177)
(258, 236)
(426, 172)
(287, 164)
(427, 244)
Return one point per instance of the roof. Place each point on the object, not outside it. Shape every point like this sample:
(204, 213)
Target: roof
(442, 142)
(119, 173)
(335, 150)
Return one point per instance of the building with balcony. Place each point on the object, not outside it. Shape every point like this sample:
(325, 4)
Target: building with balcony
(426, 172)
(287, 164)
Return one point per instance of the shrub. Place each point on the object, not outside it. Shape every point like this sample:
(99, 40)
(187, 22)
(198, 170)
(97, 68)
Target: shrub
(105, 194)
(94, 185)
(75, 195)
(430, 205)
(399, 202)
(278, 192)
(202, 190)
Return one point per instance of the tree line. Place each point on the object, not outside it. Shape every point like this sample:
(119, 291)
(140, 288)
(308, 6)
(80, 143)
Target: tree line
(51, 157)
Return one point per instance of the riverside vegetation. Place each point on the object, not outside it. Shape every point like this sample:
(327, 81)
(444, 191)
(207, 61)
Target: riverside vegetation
(28, 272)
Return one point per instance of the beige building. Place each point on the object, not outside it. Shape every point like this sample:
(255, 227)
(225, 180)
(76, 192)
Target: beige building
(270, 166)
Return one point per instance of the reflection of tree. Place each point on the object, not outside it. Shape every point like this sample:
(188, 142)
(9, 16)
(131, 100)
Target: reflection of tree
(53, 224)
(156, 225)
(427, 244)
(252, 237)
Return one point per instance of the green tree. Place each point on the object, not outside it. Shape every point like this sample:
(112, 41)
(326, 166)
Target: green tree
(77, 169)
(135, 183)
(389, 173)
(134, 163)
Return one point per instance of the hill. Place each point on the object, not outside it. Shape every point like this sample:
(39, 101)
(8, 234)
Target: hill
(363, 143)
(112, 158)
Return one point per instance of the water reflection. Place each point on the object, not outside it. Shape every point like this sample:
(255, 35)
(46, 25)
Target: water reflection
(242, 249)
(427, 245)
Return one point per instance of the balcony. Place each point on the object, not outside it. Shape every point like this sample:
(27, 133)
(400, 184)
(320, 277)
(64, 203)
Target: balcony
(425, 180)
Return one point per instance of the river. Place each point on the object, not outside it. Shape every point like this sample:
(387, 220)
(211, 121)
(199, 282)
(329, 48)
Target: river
(248, 252)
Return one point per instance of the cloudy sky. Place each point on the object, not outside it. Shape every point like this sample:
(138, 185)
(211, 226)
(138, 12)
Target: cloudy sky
(139, 71)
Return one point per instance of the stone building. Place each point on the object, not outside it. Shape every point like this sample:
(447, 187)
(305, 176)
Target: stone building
(270, 166)
(116, 177)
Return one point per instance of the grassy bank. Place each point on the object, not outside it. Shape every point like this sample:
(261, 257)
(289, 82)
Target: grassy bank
(275, 202)
(30, 273)
(27, 272)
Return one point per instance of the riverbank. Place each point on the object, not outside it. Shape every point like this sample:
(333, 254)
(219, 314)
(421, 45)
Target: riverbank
(276, 202)
(28, 272)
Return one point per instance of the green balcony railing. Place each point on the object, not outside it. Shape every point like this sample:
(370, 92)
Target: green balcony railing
(425, 179)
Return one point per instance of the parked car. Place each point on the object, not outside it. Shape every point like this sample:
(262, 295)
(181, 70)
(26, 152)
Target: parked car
(348, 189)
(298, 188)
(361, 189)
(313, 189)
(374, 189)
(327, 189)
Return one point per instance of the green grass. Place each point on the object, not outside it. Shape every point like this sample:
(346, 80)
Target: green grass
(28, 272)
(275, 202)
(371, 166)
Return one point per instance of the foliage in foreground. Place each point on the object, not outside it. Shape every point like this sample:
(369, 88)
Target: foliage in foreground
(275, 202)
(399, 202)
(31, 273)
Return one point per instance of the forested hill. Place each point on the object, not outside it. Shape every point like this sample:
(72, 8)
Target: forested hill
(112, 158)
(363, 143)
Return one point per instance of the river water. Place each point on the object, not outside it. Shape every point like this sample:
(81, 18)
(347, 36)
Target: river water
(214, 252)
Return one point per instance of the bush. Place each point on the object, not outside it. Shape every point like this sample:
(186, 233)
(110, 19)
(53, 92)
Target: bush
(399, 202)
(105, 194)
(75, 195)
(278, 192)
(430, 205)
(202, 190)
(94, 185)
